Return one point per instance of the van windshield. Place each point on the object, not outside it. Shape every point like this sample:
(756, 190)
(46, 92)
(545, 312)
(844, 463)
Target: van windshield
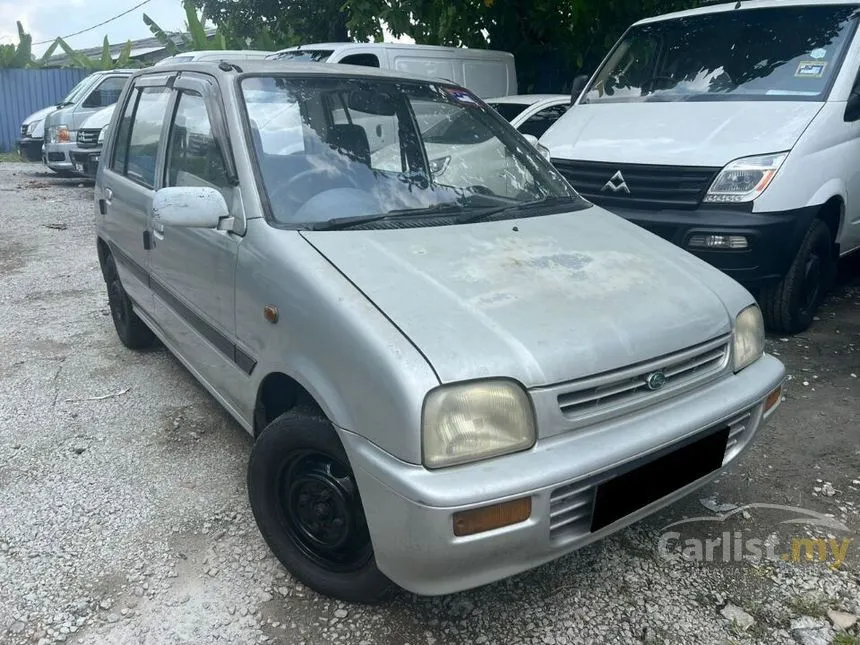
(78, 91)
(337, 151)
(779, 53)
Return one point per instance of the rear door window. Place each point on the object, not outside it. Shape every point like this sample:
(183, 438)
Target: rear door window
(136, 149)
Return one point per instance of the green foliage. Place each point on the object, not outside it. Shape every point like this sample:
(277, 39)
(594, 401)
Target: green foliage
(78, 59)
(194, 40)
(19, 55)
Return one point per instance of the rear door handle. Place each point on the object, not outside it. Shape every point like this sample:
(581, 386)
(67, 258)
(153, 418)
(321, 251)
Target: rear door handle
(108, 196)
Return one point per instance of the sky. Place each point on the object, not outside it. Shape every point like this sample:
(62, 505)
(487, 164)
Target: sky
(47, 19)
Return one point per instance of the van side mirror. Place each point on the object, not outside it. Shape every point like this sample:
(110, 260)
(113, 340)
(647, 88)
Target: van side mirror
(189, 207)
(852, 107)
(576, 89)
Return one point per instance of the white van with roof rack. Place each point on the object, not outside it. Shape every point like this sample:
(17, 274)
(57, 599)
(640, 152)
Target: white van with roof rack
(484, 71)
(732, 130)
(213, 55)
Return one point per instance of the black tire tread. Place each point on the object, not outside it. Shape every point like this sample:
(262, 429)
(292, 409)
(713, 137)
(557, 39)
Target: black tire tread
(134, 335)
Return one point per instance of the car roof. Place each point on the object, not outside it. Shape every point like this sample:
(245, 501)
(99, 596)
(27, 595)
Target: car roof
(745, 5)
(407, 46)
(262, 66)
(528, 99)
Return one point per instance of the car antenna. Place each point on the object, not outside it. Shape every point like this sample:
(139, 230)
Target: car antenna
(224, 66)
(738, 5)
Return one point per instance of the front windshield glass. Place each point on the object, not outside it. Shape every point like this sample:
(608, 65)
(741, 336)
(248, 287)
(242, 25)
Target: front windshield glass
(79, 90)
(333, 148)
(780, 53)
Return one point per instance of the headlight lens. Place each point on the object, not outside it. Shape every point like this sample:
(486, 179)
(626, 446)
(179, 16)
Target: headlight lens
(103, 134)
(59, 134)
(31, 127)
(473, 421)
(749, 338)
(744, 179)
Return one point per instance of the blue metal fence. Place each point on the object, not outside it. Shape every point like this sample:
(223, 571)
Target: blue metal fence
(23, 91)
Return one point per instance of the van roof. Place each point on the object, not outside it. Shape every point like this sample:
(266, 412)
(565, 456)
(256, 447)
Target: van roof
(745, 4)
(405, 46)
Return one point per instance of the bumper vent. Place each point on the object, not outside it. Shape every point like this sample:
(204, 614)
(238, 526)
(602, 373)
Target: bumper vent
(88, 138)
(644, 186)
(570, 511)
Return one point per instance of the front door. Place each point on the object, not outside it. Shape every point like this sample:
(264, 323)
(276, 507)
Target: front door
(192, 269)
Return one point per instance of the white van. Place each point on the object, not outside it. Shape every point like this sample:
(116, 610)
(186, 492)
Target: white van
(733, 131)
(213, 54)
(485, 72)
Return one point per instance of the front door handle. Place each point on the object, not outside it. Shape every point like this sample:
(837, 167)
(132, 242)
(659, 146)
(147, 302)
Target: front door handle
(108, 196)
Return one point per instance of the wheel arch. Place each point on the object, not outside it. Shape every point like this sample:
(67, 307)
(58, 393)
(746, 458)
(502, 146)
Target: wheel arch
(278, 393)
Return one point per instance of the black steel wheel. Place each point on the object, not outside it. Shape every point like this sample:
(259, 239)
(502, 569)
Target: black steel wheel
(132, 331)
(308, 508)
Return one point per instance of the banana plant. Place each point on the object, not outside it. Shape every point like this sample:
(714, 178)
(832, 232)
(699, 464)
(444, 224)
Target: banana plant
(20, 55)
(196, 38)
(106, 61)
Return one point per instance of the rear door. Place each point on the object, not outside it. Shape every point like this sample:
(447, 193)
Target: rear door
(130, 179)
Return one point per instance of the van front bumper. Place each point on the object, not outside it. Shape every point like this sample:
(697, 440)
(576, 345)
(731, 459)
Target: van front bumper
(85, 161)
(773, 238)
(57, 156)
(410, 509)
(29, 149)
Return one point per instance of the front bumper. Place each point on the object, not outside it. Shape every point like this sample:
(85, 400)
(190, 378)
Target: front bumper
(29, 149)
(85, 161)
(57, 155)
(774, 238)
(410, 509)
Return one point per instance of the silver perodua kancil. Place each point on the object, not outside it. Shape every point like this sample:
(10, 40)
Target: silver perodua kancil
(454, 367)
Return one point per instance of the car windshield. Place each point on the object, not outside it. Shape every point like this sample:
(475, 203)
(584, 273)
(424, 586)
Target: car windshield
(509, 111)
(79, 90)
(335, 147)
(304, 55)
(779, 53)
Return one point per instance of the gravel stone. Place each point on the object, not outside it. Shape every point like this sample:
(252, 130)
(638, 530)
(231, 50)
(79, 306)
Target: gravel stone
(738, 616)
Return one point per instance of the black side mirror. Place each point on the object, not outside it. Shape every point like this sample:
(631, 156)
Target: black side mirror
(852, 107)
(578, 85)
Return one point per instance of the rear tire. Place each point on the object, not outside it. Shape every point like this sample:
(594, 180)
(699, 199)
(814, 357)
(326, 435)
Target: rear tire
(306, 503)
(789, 306)
(132, 331)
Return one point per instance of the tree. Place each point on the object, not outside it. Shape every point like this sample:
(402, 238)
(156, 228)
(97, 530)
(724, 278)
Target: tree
(78, 59)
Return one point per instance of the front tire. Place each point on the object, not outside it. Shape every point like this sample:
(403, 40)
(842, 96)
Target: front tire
(306, 503)
(790, 305)
(132, 331)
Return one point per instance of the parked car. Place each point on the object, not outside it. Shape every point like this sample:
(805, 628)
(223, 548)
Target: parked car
(531, 114)
(89, 140)
(213, 55)
(733, 131)
(484, 71)
(447, 383)
(32, 137)
(61, 125)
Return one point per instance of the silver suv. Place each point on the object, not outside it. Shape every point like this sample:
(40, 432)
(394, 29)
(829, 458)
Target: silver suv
(454, 368)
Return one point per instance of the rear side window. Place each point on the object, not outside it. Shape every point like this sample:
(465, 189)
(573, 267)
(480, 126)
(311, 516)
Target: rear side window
(139, 133)
(365, 60)
(193, 155)
(539, 123)
(106, 93)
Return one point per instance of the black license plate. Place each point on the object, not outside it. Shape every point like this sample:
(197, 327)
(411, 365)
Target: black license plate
(631, 491)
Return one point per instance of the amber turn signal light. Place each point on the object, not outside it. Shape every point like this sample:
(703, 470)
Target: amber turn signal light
(492, 517)
(772, 399)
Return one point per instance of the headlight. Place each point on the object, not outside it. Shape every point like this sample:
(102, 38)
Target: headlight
(744, 179)
(749, 338)
(472, 421)
(59, 134)
(31, 127)
(103, 134)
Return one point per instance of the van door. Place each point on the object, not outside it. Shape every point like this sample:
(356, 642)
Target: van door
(129, 183)
(192, 269)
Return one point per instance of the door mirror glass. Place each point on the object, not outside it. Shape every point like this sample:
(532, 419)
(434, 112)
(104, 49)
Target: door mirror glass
(576, 89)
(189, 207)
(852, 107)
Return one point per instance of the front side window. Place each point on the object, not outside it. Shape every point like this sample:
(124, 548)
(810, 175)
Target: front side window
(509, 111)
(136, 159)
(540, 122)
(193, 155)
(106, 93)
(305, 55)
(333, 148)
(365, 60)
(776, 53)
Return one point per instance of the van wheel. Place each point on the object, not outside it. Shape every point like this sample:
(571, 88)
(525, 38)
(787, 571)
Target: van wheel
(307, 506)
(132, 331)
(789, 305)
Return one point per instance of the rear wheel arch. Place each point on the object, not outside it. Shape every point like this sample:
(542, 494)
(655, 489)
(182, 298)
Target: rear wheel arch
(103, 251)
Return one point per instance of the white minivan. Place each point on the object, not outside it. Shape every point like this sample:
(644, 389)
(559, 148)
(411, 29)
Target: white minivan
(486, 72)
(733, 131)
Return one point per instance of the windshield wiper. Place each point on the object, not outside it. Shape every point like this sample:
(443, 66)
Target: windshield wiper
(576, 204)
(339, 223)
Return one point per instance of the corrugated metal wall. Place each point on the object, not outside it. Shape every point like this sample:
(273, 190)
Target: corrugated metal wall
(23, 91)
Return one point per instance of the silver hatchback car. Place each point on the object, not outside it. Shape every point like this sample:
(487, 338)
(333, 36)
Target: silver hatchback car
(454, 367)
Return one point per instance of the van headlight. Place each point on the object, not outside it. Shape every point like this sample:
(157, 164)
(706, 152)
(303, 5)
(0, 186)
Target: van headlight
(749, 338)
(744, 179)
(103, 134)
(468, 422)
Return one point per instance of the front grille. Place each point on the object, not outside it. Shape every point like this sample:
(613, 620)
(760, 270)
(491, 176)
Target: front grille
(653, 187)
(620, 388)
(570, 509)
(88, 138)
(737, 428)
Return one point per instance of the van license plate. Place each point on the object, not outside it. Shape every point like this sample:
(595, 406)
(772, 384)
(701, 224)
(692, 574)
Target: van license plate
(636, 489)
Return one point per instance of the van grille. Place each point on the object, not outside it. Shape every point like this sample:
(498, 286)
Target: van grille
(629, 385)
(652, 187)
(570, 509)
(88, 138)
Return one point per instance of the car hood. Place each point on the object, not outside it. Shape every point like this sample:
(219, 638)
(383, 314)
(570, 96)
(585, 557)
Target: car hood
(542, 300)
(681, 133)
(39, 115)
(99, 119)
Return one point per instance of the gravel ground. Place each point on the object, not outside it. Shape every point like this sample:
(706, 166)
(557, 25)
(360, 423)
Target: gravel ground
(124, 517)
